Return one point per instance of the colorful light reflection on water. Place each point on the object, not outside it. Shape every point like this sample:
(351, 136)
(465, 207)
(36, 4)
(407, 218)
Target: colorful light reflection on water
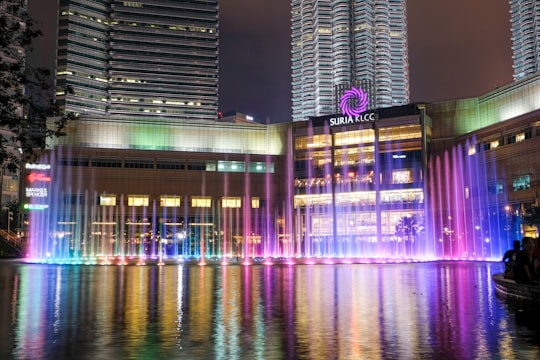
(372, 311)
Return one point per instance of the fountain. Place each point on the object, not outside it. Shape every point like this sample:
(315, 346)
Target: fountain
(338, 210)
(470, 217)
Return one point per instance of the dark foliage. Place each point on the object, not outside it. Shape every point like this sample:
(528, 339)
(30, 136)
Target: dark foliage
(531, 216)
(26, 99)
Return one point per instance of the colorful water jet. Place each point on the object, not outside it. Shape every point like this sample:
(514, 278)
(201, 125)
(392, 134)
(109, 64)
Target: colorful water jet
(345, 194)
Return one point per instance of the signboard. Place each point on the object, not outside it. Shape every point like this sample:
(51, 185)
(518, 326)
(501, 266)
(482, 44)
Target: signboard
(353, 102)
(37, 188)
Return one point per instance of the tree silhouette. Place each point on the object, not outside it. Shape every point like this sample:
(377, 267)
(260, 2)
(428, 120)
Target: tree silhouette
(407, 227)
(25, 92)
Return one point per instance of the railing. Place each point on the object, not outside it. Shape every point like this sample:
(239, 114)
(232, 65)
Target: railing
(12, 239)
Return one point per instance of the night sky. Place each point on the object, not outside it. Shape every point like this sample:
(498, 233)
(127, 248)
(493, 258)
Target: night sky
(457, 49)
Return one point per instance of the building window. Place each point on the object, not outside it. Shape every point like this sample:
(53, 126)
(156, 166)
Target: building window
(72, 199)
(132, 4)
(255, 203)
(231, 202)
(138, 164)
(201, 201)
(112, 163)
(231, 166)
(211, 166)
(107, 200)
(10, 184)
(192, 165)
(495, 188)
(402, 177)
(311, 142)
(261, 167)
(138, 200)
(521, 183)
(518, 137)
(169, 201)
(166, 165)
(354, 137)
(405, 132)
(73, 162)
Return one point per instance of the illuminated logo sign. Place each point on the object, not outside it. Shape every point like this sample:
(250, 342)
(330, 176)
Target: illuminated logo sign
(37, 166)
(32, 192)
(348, 120)
(353, 106)
(36, 206)
(353, 102)
(38, 177)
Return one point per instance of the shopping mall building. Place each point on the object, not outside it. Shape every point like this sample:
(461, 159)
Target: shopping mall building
(414, 182)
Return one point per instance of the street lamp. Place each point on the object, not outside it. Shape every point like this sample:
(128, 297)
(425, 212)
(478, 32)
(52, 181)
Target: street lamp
(507, 226)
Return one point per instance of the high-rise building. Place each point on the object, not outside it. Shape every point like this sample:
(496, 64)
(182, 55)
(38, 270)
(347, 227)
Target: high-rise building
(525, 21)
(337, 44)
(151, 58)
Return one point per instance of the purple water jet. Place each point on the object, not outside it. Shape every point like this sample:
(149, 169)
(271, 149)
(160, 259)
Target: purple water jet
(368, 192)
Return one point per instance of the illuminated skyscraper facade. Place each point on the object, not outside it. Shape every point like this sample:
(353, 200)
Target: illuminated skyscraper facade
(144, 58)
(525, 20)
(337, 44)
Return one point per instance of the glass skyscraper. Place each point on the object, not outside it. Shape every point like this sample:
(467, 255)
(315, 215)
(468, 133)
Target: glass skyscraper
(337, 44)
(144, 58)
(525, 20)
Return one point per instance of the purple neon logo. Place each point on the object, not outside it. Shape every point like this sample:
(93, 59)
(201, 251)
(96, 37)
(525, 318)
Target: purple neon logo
(353, 102)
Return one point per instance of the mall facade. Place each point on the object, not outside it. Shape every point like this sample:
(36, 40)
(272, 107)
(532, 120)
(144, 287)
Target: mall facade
(447, 180)
(360, 183)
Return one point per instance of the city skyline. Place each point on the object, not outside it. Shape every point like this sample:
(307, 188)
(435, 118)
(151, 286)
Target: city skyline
(446, 61)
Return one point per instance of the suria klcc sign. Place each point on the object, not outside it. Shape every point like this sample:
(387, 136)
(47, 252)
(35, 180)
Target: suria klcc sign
(353, 104)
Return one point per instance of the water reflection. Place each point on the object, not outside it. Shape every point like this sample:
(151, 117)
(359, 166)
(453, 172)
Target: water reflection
(435, 310)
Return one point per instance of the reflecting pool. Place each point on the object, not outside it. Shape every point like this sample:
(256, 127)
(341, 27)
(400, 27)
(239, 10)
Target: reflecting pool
(358, 311)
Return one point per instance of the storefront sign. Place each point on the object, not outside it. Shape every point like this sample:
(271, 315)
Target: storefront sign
(37, 166)
(38, 177)
(39, 192)
(348, 120)
(37, 189)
